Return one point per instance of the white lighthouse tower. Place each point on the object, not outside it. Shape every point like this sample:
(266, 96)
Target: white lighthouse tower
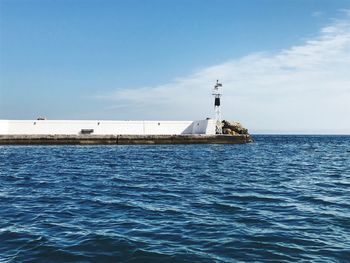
(217, 94)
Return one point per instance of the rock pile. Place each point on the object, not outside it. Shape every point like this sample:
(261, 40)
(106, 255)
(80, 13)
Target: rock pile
(233, 128)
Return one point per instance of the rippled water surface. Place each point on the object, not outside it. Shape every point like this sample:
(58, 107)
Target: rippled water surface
(280, 199)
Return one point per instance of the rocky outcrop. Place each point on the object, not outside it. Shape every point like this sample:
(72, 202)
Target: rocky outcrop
(233, 128)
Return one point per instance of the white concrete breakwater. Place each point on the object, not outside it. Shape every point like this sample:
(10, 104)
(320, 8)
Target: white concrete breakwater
(105, 127)
(42, 131)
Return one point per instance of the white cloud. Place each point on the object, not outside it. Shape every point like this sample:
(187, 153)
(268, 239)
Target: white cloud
(317, 13)
(304, 88)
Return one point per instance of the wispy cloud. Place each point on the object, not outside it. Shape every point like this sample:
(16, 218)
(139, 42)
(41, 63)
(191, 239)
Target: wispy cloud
(317, 13)
(303, 88)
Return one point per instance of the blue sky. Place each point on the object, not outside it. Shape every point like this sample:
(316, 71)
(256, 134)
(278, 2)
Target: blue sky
(140, 60)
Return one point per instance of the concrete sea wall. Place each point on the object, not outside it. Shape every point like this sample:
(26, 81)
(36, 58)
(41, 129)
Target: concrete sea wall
(121, 139)
(100, 127)
(56, 132)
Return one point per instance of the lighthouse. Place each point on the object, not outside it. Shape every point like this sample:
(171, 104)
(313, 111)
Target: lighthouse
(217, 94)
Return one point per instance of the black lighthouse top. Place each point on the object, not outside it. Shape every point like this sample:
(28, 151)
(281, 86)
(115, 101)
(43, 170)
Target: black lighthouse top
(216, 93)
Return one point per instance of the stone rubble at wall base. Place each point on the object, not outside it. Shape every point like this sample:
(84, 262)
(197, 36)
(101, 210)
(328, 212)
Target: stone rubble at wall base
(233, 128)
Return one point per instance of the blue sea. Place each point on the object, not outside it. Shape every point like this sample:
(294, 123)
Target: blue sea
(278, 199)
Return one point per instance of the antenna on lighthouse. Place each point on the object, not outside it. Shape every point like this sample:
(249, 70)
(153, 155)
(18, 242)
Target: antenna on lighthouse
(217, 94)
